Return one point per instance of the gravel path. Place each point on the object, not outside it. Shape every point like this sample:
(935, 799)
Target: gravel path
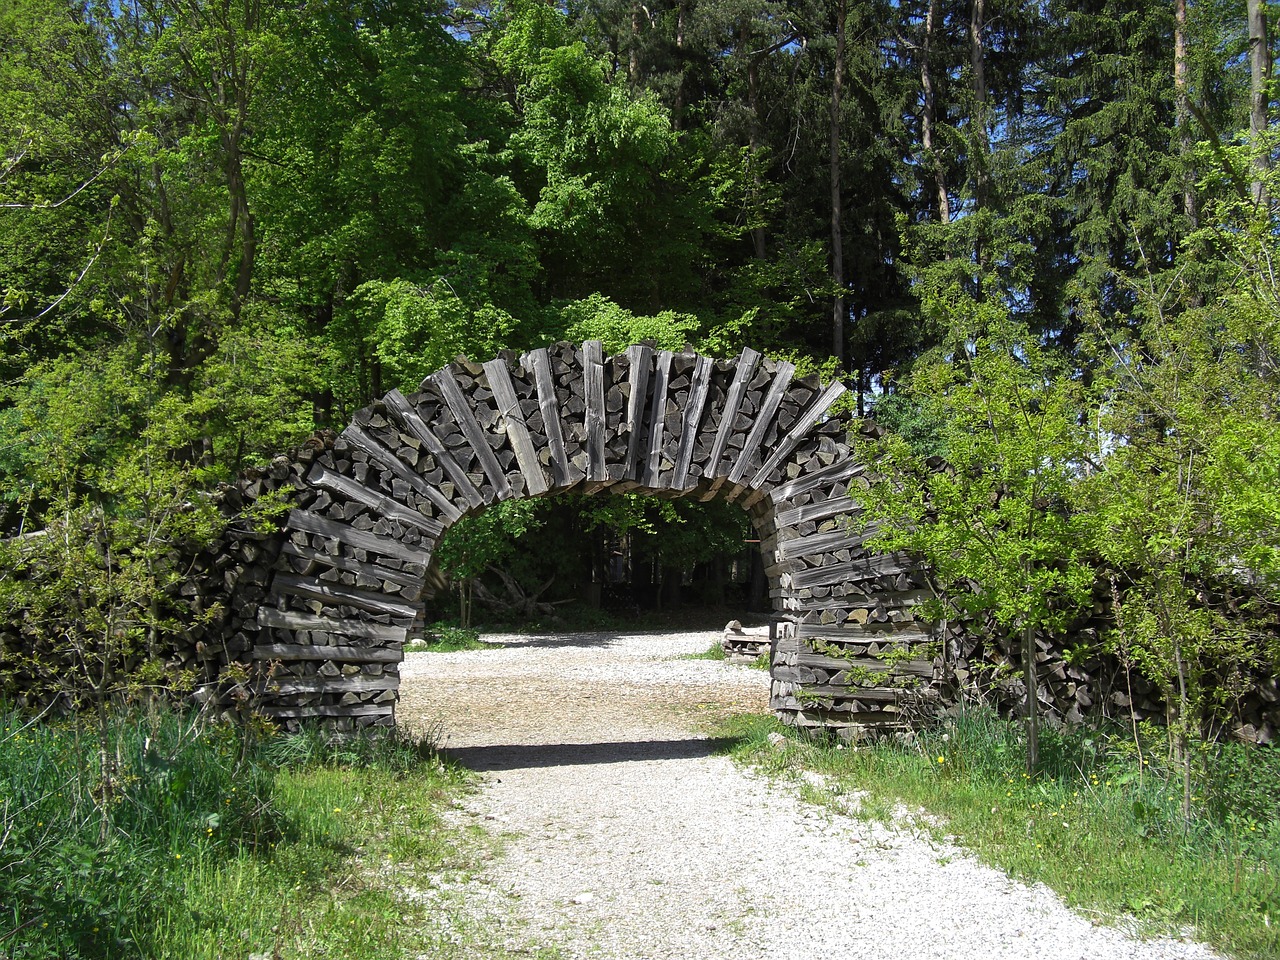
(628, 839)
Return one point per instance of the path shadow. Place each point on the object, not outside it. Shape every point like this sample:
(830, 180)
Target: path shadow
(515, 756)
(557, 641)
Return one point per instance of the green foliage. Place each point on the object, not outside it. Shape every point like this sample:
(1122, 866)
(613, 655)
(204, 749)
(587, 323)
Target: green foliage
(685, 533)
(411, 330)
(996, 523)
(621, 206)
(597, 318)
(1183, 507)
(106, 468)
(250, 400)
(682, 533)
(475, 543)
(915, 422)
(96, 445)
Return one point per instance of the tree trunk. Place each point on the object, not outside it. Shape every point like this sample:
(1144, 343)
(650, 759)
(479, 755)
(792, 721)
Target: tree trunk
(1259, 74)
(673, 587)
(1033, 698)
(758, 588)
(241, 227)
(978, 66)
(677, 109)
(713, 584)
(753, 135)
(929, 116)
(594, 593)
(633, 57)
(837, 232)
(1182, 102)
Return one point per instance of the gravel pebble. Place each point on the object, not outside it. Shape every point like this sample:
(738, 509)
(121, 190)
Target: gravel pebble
(627, 838)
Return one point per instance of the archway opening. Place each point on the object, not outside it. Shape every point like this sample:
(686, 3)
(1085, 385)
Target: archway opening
(576, 559)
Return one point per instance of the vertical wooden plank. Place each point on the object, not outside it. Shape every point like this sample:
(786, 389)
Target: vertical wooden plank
(698, 391)
(798, 429)
(764, 418)
(593, 389)
(471, 429)
(737, 390)
(641, 357)
(498, 376)
(657, 418)
(404, 412)
(357, 437)
(539, 362)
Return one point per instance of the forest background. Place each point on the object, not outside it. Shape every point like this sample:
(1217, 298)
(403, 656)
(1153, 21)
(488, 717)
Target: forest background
(1036, 238)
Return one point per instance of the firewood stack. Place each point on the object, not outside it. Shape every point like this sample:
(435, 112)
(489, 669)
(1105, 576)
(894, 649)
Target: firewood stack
(1079, 678)
(744, 644)
(226, 581)
(358, 545)
(859, 660)
(319, 606)
(214, 602)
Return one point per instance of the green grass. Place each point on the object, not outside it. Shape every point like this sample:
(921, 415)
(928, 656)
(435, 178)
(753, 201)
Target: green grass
(213, 842)
(447, 638)
(716, 652)
(713, 652)
(1102, 825)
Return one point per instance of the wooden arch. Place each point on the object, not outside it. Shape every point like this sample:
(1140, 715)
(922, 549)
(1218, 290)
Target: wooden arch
(357, 550)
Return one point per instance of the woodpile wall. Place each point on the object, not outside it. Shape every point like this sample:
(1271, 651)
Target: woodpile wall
(226, 583)
(358, 546)
(316, 601)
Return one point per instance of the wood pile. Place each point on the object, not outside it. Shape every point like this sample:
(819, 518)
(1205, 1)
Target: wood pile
(357, 550)
(320, 606)
(1078, 680)
(214, 601)
(227, 581)
(852, 656)
(744, 644)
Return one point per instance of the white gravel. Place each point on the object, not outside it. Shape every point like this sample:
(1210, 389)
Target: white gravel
(627, 839)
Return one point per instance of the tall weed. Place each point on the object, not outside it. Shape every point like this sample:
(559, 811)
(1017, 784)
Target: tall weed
(95, 825)
(165, 835)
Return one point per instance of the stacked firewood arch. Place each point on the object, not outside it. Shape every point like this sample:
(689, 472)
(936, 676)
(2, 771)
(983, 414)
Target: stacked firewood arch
(356, 558)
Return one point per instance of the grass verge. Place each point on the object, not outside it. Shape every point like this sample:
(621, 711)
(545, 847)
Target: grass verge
(167, 837)
(1102, 825)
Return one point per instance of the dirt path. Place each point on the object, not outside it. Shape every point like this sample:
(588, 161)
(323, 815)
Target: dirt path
(629, 839)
